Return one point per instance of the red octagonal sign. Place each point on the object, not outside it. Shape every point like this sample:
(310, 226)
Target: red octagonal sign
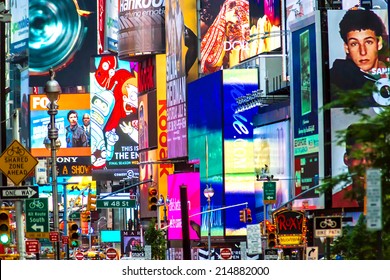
(79, 256)
(111, 253)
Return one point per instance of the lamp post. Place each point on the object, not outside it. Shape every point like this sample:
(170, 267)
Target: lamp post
(164, 203)
(53, 90)
(209, 193)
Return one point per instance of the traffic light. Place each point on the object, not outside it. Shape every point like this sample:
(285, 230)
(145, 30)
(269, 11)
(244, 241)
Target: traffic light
(243, 216)
(152, 199)
(91, 204)
(73, 234)
(248, 215)
(86, 216)
(5, 232)
(271, 240)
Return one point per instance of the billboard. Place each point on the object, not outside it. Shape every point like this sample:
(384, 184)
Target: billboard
(111, 25)
(114, 117)
(141, 28)
(271, 149)
(63, 36)
(224, 34)
(355, 65)
(205, 95)
(19, 27)
(307, 119)
(192, 182)
(74, 141)
(238, 147)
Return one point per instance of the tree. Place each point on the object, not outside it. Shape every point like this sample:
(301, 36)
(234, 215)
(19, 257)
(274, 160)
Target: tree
(156, 239)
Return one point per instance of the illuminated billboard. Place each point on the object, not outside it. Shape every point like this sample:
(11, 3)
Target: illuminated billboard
(63, 36)
(74, 141)
(238, 147)
(192, 183)
(114, 118)
(307, 119)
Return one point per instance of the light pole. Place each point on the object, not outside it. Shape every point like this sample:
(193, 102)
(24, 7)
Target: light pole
(208, 193)
(53, 90)
(164, 203)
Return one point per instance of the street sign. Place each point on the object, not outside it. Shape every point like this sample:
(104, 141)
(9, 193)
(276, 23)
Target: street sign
(312, 253)
(374, 199)
(226, 253)
(269, 189)
(115, 203)
(32, 246)
(16, 162)
(15, 192)
(79, 255)
(111, 253)
(37, 217)
(271, 254)
(328, 226)
(65, 239)
(54, 236)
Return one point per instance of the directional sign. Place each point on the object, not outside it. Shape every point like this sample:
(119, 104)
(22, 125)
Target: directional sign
(269, 192)
(14, 193)
(16, 162)
(312, 253)
(115, 203)
(329, 226)
(37, 217)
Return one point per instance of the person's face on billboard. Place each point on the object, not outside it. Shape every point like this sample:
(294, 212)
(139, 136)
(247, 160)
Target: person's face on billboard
(72, 119)
(363, 46)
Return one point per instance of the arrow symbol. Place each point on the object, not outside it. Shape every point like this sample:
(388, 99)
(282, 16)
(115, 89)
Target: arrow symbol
(31, 192)
(36, 227)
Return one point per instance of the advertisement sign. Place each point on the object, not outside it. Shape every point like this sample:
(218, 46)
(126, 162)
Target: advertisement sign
(114, 117)
(19, 27)
(112, 25)
(69, 122)
(62, 40)
(205, 95)
(290, 227)
(238, 146)
(131, 240)
(192, 181)
(141, 28)
(348, 73)
(305, 103)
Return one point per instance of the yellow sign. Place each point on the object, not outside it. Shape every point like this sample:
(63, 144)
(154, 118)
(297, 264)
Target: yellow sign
(16, 162)
(285, 240)
(37, 235)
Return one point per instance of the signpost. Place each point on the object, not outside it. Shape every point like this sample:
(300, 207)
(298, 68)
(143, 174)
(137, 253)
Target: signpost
(226, 253)
(37, 218)
(16, 162)
(115, 203)
(16, 192)
(111, 253)
(269, 189)
(328, 226)
(32, 246)
(79, 255)
(374, 199)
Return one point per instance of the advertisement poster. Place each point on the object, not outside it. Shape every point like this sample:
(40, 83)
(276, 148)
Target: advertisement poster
(112, 25)
(114, 118)
(141, 28)
(19, 27)
(238, 147)
(69, 122)
(63, 36)
(192, 182)
(306, 101)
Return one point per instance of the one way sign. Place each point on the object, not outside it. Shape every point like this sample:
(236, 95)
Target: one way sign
(15, 193)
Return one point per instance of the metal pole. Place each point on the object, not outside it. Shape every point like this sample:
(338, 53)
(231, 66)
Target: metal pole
(265, 229)
(209, 229)
(65, 219)
(166, 231)
(53, 135)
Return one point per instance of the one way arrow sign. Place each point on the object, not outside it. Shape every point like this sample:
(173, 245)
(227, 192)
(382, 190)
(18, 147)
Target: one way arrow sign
(15, 193)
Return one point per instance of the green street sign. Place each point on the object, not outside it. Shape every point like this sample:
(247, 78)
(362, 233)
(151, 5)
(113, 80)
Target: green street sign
(74, 216)
(269, 189)
(37, 216)
(115, 203)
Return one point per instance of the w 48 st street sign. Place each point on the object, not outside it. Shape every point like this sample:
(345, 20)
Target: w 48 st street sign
(18, 192)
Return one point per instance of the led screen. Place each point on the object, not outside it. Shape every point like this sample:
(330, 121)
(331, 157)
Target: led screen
(192, 182)
(110, 236)
(238, 147)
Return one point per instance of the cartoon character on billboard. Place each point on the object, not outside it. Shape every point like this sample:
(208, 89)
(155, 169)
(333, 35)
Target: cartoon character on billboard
(108, 106)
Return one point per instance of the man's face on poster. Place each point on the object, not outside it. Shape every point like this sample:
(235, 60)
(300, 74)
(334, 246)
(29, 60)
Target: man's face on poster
(362, 46)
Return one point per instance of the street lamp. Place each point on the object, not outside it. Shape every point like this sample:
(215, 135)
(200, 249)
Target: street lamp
(209, 193)
(53, 90)
(164, 203)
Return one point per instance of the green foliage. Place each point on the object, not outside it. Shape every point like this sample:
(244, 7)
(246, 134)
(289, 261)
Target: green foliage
(156, 239)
